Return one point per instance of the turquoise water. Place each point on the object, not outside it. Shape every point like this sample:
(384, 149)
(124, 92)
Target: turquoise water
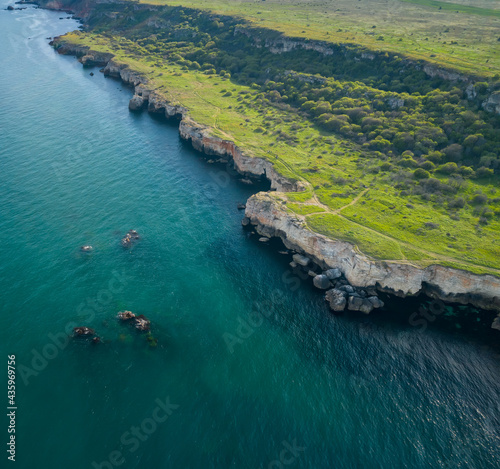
(297, 387)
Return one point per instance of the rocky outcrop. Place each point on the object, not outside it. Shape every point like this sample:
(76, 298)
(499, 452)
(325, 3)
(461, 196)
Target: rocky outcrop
(137, 103)
(492, 103)
(272, 219)
(124, 73)
(337, 299)
(448, 75)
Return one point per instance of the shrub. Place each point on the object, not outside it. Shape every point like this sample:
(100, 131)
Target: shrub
(453, 152)
(420, 173)
(459, 202)
(479, 199)
(447, 168)
(466, 171)
(427, 165)
(483, 172)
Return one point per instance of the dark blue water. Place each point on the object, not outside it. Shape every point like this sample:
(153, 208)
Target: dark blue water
(249, 371)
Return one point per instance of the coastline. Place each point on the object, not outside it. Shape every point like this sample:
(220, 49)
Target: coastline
(264, 213)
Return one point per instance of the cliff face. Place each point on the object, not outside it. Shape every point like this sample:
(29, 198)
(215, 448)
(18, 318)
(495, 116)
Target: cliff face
(201, 140)
(271, 219)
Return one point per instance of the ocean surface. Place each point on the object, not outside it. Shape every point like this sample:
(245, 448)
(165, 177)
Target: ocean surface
(250, 369)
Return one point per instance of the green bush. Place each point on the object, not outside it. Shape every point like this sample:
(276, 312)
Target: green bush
(420, 173)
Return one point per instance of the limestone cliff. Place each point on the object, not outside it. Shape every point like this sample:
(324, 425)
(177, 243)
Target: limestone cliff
(272, 219)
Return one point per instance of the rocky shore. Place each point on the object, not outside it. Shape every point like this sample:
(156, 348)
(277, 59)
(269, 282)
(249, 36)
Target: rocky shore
(365, 275)
(271, 219)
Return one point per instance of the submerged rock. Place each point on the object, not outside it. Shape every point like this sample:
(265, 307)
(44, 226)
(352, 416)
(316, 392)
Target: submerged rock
(321, 282)
(263, 239)
(246, 181)
(336, 299)
(241, 206)
(245, 221)
(83, 331)
(126, 315)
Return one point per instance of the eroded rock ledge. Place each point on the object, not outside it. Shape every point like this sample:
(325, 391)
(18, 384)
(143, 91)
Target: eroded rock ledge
(271, 219)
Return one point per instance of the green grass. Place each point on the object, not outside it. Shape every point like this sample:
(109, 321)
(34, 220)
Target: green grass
(365, 209)
(457, 7)
(465, 41)
(372, 244)
(305, 209)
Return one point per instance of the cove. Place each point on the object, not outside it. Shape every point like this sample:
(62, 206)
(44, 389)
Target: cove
(301, 388)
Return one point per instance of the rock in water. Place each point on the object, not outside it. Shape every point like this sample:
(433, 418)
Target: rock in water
(10, 8)
(245, 221)
(264, 239)
(336, 299)
(86, 248)
(241, 206)
(333, 274)
(321, 282)
(347, 288)
(359, 304)
(137, 103)
(376, 302)
(83, 331)
(126, 315)
(132, 235)
(142, 323)
(496, 323)
(301, 260)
